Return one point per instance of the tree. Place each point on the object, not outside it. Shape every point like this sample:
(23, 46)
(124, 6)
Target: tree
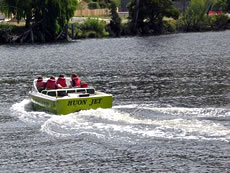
(146, 16)
(228, 6)
(115, 22)
(50, 16)
(219, 5)
(196, 16)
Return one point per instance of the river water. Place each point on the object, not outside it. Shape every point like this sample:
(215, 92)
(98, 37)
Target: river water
(171, 109)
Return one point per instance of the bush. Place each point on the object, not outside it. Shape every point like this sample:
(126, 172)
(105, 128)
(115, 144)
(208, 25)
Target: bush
(180, 25)
(125, 29)
(195, 17)
(93, 5)
(77, 30)
(7, 31)
(103, 5)
(91, 34)
(169, 27)
(219, 22)
(5, 28)
(186, 23)
(91, 28)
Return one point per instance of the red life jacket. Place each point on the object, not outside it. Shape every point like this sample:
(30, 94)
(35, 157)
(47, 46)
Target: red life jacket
(76, 82)
(51, 84)
(84, 85)
(61, 81)
(40, 83)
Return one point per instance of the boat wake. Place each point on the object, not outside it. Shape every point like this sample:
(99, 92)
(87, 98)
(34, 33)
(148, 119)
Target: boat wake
(23, 110)
(131, 123)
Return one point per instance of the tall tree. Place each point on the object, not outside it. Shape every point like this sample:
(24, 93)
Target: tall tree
(50, 16)
(146, 16)
(219, 5)
(196, 16)
(228, 6)
(115, 22)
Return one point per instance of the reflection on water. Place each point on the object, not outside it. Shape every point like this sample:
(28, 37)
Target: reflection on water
(171, 106)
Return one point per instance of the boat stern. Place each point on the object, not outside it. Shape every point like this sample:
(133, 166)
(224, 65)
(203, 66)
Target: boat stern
(66, 106)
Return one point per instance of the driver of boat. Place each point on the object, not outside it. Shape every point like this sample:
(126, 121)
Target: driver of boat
(75, 81)
(40, 84)
(51, 84)
(61, 81)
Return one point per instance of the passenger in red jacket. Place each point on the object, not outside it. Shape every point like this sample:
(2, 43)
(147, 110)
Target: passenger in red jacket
(84, 84)
(61, 81)
(51, 83)
(75, 81)
(40, 84)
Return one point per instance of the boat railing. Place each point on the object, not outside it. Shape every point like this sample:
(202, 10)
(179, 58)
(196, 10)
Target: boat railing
(65, 92)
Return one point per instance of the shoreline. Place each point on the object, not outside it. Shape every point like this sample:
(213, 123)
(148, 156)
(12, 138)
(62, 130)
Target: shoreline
(64, 41)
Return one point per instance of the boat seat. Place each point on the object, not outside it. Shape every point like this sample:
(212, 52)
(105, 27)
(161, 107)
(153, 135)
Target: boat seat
(51, 93)
(70, 91)
(44, 92)
(90, 91)
(62, 93)
(80, 90)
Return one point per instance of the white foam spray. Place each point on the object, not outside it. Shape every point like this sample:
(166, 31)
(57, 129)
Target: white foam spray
(112, 121)
(32, 117)
(116, 124)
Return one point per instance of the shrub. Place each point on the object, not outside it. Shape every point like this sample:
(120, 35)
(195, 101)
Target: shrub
(180, 25)
(169, 27)
(219, 22)
(188, 23)
(91, 28)
(103, 5)
(195, 17)
(77, 30)
(5, 28)
(91, 34)
(7, 31)
(125, 29)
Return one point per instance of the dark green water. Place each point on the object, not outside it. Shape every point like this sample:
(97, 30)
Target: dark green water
(171, 108)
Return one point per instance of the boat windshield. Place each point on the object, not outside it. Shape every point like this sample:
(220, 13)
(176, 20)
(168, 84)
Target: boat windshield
(66, 92)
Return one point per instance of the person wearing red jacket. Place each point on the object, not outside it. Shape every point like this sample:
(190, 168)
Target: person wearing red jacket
(61, 81)
(84, 84)
(75, 81)
(40, 84)
(51, 83)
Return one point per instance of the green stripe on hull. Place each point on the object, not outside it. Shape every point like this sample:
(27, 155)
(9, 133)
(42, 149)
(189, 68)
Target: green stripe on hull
(66, 106)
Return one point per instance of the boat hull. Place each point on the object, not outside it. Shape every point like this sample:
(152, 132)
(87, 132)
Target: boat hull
(65, 106)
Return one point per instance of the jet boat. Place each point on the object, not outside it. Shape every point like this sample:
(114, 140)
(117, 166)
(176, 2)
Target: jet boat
(68, 100)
